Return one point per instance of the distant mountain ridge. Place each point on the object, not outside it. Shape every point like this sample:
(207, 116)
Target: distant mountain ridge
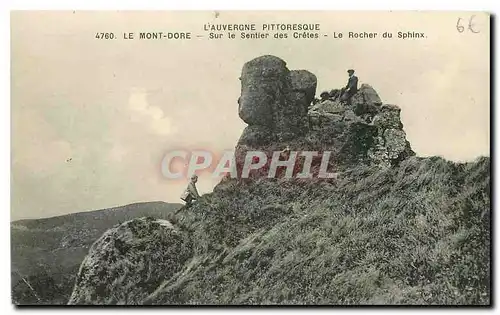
(46, 253)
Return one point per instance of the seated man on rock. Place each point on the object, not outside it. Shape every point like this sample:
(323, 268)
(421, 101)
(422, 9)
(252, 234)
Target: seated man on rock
(190, 194)
(350, 89)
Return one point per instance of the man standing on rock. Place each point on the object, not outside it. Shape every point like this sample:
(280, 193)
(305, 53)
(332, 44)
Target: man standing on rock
(350, 89)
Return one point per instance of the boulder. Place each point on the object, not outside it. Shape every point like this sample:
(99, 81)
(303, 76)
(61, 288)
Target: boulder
(129, 262)
(305, 82)
(274, 98)
(261, 81)
(366, 95)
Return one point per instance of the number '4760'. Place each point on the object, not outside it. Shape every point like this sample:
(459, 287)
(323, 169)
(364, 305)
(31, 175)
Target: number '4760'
(105, 35)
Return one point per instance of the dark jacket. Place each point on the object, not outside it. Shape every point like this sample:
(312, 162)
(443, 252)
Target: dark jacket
(352, 84)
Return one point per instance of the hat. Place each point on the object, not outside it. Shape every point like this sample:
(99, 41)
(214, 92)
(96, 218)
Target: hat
(325, 93)
(350, 70)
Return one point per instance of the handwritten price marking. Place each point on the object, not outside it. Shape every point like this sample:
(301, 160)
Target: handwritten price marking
(470, 27)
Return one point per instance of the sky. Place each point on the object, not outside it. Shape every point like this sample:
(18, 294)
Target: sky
(91, 119)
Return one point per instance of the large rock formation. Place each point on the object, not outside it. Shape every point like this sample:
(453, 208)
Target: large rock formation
(274, 100)
(275, 103)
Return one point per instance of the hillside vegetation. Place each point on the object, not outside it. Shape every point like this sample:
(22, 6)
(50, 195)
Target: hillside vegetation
(418, 233)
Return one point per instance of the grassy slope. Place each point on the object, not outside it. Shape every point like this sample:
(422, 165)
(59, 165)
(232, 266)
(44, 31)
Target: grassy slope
(47, 252)
(415, 234)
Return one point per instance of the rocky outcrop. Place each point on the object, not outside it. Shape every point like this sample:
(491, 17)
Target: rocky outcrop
(304, 82)
(129, 262)
(385, 141)
(273, 102)
(390, 144)
(274, 99)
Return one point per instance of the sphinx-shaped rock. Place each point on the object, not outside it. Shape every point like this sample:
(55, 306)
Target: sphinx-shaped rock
(275, 98)
(262, 82)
